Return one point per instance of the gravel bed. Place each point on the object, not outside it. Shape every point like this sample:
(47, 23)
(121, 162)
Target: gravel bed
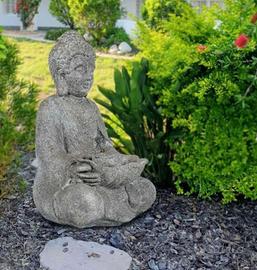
(177, 233)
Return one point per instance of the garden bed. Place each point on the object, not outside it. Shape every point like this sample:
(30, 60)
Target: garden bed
(177, 233)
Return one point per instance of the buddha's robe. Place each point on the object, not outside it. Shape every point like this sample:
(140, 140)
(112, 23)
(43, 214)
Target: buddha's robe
(69, 129)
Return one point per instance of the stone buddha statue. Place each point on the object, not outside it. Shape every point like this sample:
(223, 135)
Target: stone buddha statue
(81, 179)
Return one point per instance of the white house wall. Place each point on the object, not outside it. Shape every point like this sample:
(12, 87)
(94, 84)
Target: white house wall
(44, 19)
(8, 19)
(132, 9)
(128, 25)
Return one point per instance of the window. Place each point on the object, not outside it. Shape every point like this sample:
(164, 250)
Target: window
(10, 6)
(208, 3)
(138, 7)
(132, 7)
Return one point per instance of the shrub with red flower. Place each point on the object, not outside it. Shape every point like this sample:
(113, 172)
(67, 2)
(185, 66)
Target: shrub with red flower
(201, 48)
(27, 10)
(254, 18)
(209, 96)
(242, 41)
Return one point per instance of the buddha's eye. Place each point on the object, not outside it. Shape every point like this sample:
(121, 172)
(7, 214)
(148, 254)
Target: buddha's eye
(79, 68)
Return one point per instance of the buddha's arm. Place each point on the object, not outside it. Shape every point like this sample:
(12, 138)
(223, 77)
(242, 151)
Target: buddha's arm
(108, 147)
(54, 162)
(108, 143)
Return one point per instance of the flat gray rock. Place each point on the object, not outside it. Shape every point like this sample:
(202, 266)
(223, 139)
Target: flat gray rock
(65, 253)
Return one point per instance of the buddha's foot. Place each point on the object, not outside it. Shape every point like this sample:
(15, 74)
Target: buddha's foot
(79, 205)
(141, 194)
(83, 206)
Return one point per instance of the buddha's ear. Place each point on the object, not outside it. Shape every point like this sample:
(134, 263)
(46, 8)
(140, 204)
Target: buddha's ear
(61, 85)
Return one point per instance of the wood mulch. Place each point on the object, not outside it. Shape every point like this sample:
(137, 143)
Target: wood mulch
(177, 233)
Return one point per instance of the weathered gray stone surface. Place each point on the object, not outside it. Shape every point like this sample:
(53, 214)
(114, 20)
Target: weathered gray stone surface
(113, 49)
(65, 253)
(124, 48)
(81, 179)
(4, 266)
(34, 163)
(88, 37)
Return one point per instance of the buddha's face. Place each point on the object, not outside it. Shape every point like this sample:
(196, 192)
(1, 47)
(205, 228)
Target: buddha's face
(79, 78)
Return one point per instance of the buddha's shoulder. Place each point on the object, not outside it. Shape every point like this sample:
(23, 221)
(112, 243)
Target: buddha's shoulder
(50, 103)
(92, 104)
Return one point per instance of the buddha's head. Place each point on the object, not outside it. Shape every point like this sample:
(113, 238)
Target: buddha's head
(72, 64)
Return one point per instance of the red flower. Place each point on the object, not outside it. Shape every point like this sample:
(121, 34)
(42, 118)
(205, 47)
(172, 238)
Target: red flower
(254, 18)
(242, 41)
(26, 7)
(18, 6)
(201, 48)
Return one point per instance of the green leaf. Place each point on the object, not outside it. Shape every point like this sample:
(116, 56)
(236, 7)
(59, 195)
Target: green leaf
(104, 104)
(135, 94)
(109, 94)
(120, 84)
(126, 79)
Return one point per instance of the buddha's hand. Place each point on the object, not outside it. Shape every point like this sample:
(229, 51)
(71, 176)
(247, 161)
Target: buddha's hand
(87, 172)
(120, 175)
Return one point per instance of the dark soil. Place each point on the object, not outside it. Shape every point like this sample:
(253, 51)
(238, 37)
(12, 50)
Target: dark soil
(177, 233)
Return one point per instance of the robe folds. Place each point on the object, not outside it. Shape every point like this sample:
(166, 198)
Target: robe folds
(70, 129)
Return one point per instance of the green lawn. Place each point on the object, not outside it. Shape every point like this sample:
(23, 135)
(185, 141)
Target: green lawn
(34, 67)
